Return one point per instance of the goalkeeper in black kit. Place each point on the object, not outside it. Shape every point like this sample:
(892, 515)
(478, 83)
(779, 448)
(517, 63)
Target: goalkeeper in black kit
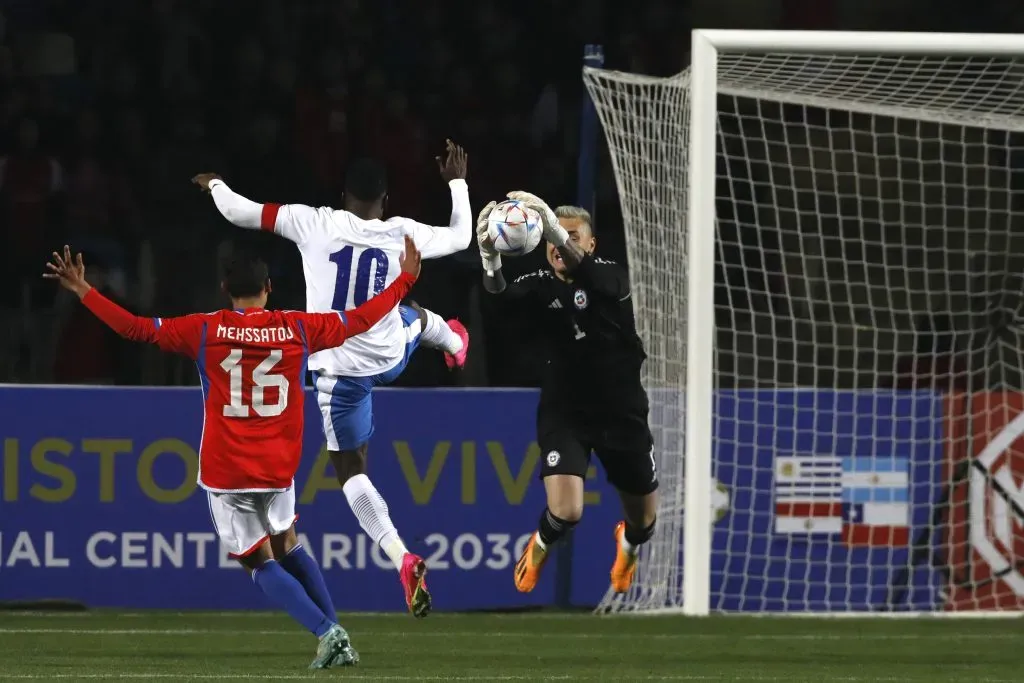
(591, 399)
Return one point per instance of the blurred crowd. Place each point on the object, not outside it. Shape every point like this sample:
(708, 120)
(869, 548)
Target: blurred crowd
(108, 107)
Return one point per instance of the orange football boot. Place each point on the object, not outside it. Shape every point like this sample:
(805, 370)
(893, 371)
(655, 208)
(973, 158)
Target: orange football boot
(625, 563)
(529, 565)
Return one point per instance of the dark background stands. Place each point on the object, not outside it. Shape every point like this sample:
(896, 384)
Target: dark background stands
(108, 107)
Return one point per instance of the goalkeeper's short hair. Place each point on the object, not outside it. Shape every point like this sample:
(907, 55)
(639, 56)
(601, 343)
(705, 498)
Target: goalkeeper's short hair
(366, 180)
(577, 212)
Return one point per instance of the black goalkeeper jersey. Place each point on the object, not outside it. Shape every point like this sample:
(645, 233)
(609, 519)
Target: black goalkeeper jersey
(594, 352)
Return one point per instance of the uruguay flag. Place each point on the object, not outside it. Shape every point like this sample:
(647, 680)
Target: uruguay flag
(876, 501)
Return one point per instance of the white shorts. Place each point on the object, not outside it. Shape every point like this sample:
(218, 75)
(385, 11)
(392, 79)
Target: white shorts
(346, 403)
(243, 521)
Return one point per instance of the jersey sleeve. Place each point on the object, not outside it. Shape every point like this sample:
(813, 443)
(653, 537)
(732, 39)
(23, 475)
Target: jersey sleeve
(361, 318)
(603, 277)
(297, 222)
(437, 241)
(181, 335)
(525, 286)
(323, 330)
(329, 330)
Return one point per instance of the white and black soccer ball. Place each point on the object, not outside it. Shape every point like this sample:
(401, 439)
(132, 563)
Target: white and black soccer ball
(514, 228)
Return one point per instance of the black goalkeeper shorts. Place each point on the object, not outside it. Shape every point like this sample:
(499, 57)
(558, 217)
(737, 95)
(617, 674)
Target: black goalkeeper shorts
(623, 444)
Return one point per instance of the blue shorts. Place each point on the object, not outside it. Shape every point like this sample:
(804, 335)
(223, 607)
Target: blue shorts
(345, 402)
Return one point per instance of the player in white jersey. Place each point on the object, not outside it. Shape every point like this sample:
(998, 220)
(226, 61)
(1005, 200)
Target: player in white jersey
(349, 256)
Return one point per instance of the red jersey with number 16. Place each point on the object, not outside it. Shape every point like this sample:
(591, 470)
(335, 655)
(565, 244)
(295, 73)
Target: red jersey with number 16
(252, 367)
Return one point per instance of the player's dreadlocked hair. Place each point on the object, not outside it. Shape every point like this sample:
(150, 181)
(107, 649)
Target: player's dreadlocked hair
(366, 180)
(245, 273)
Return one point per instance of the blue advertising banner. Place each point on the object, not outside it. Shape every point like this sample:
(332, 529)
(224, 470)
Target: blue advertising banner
(100, 503)
(808, 473)
(819, 495)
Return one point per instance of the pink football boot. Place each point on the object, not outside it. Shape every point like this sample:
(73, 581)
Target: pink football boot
(413, 575)
(457, 360)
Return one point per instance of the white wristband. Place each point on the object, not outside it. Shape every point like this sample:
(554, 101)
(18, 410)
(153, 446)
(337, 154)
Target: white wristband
(492, 264)
(557, 235)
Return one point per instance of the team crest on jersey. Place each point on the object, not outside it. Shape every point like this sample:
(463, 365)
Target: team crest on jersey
(553, 458)
(580, 299)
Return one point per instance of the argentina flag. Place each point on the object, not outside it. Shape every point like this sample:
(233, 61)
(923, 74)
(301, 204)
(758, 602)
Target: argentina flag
(876, 501)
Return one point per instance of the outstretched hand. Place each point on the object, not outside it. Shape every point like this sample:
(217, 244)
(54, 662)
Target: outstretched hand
(489, 256)
(410, 258)
(532, 201)
(453, 166)
(554, 233)
(70, 272)
(528, 198)
(483, 237)
(203, 180)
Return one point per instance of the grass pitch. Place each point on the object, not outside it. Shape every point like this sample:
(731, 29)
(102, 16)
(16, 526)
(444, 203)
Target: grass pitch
(162, 646)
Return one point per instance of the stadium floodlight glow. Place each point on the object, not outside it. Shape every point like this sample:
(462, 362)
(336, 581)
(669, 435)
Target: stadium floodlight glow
(848, 181)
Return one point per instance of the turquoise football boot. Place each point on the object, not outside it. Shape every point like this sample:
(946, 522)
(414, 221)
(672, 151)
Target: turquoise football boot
(334, 649)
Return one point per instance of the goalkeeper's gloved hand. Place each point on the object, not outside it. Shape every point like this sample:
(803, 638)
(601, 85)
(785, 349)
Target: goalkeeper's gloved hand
(553, 232)
(488, 254)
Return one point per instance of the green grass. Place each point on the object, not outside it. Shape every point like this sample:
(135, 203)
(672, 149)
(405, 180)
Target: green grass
(162, 646)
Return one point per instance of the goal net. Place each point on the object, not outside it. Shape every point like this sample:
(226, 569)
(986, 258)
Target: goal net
(869, 270)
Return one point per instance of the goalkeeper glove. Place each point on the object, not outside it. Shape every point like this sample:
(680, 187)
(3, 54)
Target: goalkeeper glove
(488, 254)
(553, 232)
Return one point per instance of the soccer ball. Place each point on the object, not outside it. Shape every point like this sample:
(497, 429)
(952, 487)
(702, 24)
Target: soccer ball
(514, 228)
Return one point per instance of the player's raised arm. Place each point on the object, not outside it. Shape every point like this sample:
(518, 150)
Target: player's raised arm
(328, 330)
(438, 241)
(599, 276)
(181, 335)
(296, 222)
(494, 279)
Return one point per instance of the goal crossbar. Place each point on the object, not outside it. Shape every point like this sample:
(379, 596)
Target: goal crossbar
(868, 42)
(734, 83)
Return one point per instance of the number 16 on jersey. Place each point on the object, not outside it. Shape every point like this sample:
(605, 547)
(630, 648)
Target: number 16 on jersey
(261, 379)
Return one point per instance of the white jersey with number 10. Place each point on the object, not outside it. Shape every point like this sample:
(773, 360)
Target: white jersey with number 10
(347, 260)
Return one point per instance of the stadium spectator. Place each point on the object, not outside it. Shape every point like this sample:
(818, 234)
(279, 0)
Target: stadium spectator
(29, 180)
(321, 121)
(88, 185)
(87, 351)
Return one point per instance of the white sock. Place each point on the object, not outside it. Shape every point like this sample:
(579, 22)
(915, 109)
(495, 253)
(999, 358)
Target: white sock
(372, 512)
(437, 335)
(628, 547)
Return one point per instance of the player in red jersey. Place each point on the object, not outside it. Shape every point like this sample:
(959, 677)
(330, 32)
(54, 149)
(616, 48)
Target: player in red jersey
(252, 366)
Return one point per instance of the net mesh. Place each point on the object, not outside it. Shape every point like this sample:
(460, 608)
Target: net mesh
(868, 369)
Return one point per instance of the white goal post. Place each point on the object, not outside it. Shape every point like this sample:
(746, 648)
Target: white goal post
(823, 209)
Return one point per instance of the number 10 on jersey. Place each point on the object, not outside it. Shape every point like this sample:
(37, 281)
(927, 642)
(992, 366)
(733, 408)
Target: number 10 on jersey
(371, 266)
